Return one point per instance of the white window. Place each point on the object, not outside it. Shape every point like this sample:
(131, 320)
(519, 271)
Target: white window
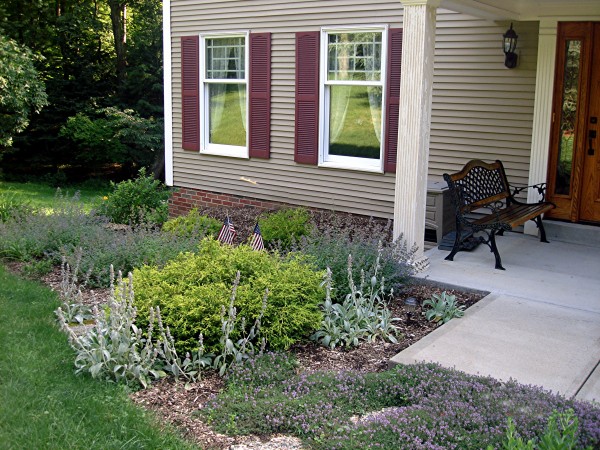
(223, 99)
(352, 98)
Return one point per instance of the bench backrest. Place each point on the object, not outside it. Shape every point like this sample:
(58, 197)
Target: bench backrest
(478, 184)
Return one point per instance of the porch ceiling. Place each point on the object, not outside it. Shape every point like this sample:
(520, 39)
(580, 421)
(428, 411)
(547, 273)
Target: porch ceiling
(526, 9)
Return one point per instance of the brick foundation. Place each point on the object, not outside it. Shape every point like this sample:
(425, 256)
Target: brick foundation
(185, 199)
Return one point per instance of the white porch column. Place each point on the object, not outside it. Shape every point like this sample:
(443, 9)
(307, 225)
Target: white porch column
(542, 111)
(416, 82)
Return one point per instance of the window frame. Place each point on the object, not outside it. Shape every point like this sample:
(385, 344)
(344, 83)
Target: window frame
(206, 147)
(339, 161)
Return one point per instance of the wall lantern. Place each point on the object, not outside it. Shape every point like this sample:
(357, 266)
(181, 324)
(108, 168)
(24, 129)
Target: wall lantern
(509, 45)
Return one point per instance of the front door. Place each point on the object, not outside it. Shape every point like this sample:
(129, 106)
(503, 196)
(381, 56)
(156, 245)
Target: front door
(574, 165)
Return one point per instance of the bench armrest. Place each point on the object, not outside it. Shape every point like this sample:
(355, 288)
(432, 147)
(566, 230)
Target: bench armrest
(516, 189)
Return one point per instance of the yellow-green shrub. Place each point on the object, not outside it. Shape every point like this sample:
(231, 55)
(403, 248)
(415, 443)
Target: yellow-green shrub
(192, 289)
(283, 226)
(192, 224)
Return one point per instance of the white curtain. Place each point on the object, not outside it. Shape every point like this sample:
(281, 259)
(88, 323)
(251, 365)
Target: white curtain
(218, 70)
(339, 96)
(239, 60)
(372, 54)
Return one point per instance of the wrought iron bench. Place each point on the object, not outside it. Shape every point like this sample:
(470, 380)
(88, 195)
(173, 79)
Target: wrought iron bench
(481, 185)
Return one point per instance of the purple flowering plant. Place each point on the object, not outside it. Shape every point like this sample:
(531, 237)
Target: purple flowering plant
(422, 406)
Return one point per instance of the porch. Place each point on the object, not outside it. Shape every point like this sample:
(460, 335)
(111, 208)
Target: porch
(540, 324)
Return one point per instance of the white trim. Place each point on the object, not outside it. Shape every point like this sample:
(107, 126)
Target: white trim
(339, 161)
(206, 148)
(167, 93)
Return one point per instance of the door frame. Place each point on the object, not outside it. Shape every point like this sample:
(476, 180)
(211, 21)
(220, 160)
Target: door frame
(568, 205)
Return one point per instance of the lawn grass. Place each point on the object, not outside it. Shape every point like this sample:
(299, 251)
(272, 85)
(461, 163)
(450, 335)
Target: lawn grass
(41, 196)
(43, 404)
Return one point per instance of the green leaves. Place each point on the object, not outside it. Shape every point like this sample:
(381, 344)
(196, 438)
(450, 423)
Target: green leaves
(141, 200)
(362, 316)
(21, 90)
(442, 308)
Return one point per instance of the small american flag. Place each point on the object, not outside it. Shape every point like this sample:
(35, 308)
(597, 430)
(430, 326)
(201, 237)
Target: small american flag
(227, 233)
(256, 241)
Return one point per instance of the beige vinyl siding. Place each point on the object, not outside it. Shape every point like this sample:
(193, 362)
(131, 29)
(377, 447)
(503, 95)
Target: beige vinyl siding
(465, 124)
(480, 108)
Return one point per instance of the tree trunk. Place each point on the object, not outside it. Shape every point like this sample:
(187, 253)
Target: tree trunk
(118, 12)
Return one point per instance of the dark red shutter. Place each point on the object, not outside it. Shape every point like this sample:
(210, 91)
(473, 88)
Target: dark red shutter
(306, 148)
(190, 94)
(392, 99)
(260, 95)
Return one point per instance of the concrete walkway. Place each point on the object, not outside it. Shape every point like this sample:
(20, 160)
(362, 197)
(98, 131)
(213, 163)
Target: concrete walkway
(540, 324)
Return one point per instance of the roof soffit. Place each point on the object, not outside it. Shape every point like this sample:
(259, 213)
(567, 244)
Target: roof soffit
(525, 9)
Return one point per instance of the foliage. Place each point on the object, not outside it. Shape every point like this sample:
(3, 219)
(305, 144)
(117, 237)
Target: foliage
(192, 289)
(193, 224)
(561, 434)
(13, 207)
(236, 352)
(80, 71)
(21, 90)
(44, 404)
(331, 247)
(116, 349)
(141, 200)
(40, 195)
(363, 316)
(283, 227)
(421, 406)
(441, 308)
(111, 135)
(42, 236)
(125, 249)
(87, 241)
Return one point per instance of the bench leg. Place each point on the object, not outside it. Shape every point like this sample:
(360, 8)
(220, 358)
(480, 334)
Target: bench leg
(540, 225)
(456, 246)
(494, 250)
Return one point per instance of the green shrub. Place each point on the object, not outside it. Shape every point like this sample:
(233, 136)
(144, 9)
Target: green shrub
(192, 289)
(192, 224)
(142, 200)
(283, 227)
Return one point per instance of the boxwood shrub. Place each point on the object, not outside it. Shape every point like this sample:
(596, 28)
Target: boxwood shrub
(192, 289)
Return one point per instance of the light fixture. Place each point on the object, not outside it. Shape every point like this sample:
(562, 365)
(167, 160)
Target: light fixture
(509, 45)
(411, 305)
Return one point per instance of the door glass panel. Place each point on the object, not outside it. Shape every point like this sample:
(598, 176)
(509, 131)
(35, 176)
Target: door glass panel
(570, 94)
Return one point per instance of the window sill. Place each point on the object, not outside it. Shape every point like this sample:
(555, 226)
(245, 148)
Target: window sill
(357, 167)
(228, 151)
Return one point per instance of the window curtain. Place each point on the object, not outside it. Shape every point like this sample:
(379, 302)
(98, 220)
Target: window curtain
(239, 62)
(339, 96)
(218, 62)
(372, 54)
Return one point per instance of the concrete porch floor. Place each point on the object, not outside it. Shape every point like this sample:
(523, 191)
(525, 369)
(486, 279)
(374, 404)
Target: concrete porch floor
(540, 324)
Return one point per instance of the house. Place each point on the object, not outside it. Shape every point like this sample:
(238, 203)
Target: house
(360, 106)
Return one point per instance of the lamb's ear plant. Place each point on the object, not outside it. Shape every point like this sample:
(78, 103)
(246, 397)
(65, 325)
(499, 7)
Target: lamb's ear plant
(362, 316)
(115, 349)
(441, 308)
(234, 352)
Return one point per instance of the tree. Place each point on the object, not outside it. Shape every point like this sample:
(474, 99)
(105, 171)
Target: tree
(21, 90)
